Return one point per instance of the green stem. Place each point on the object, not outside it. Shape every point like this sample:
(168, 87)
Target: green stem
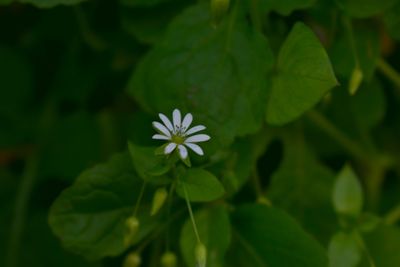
(393, 216)
(139, 200)
(170, 197)
(29, 175)
(329, 128)
(21, 207)
(389, 72)
(191, 213)
(361, 243)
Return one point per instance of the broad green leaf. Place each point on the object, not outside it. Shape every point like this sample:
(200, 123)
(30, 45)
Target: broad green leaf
(383, 245)
(392, 21)
(200, 185)
(214, 231)
(304, 76)
(364, 8)
(51, 3)
(89, 217)
(347, 193)
(302, 186)
(285, 7)
(344, 250)
(40, 248)
(265, 236)
(218, 74)
(149, 167)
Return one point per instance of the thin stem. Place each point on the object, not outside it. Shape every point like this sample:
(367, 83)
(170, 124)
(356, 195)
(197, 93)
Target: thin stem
(170, 197)
(191, 213)
(21, 207)
(364, 247)
(28, 180)
(139, 199)
(329, 128)
(393, 216)
(389, 72)
(158, 231)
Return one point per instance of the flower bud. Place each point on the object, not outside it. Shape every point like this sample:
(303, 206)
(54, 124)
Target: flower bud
(201, 255)
(158, 200)
(219, 9)
(132, 260)
(355, 80)
(132, 227)
(168, 259)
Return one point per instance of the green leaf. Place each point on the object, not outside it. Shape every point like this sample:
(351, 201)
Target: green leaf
(383, 245)
(302, 186)
(285, 7)
(50, 3)
(364, 8)
(218, 74)
(214, 231)
(266, 236)
(347, 193)
(150, 167)
(304, 76)
(201, 185)
(392, 21)
(344, 250)
(89, 217)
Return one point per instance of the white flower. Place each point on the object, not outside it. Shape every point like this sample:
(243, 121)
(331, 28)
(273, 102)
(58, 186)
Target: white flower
(178, 134)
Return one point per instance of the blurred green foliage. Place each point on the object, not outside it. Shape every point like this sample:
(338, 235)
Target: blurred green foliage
(301, 100)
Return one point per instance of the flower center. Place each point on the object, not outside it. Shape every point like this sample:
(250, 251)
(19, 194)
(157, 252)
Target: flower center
(178, 139)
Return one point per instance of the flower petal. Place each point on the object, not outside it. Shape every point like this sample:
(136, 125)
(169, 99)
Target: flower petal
(187, 120)
(197, 138)
(176, 116)
(195, 148)
(161, 128)
(160, 137)
(195, 129)
(183, 151)
(166, 121)
(169, 148)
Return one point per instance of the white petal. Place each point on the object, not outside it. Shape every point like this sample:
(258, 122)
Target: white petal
(195, 129)
(160, 137)
(161, 128)
(197, 138)
(169, 148)
(183, 152)
(176, 116)
(187, 120)
(195, 148)
(166, 121)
